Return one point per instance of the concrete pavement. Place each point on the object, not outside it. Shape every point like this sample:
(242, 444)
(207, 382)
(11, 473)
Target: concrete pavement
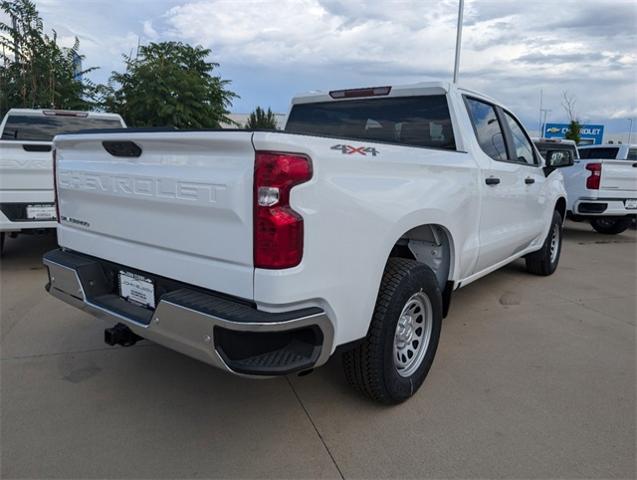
(534, 378)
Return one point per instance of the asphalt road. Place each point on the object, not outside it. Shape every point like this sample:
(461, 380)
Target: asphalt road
(534, 378)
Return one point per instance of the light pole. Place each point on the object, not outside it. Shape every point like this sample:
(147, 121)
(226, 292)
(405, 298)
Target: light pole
(539, 125)
(545, 111)
(630, 131)
(16, 44)
(458, 41)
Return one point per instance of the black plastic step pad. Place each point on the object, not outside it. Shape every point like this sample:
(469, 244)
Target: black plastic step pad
(229, 310)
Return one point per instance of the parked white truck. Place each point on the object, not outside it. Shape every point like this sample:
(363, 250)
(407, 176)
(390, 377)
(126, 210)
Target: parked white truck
(602, 187)
(261, 252)
(26, 168)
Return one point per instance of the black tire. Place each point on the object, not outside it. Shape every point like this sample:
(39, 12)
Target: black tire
(370, 367)
(611, 225)
(544, 262)
(2, 235)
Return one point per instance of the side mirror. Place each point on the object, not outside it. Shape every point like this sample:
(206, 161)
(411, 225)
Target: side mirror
(558, 158)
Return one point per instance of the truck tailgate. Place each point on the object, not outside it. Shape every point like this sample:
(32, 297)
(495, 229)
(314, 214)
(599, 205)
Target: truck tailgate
(181, 209)
(619, 175)
(25, 166)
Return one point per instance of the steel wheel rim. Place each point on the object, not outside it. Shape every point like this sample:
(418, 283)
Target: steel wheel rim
(555, 243)
(413, 334)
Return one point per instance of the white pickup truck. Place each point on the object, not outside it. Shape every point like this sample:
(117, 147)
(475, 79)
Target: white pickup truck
(602, 187)
(26, 168)
(261, 252)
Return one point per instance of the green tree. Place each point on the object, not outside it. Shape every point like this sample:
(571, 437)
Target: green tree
(261, 120)
(169, 84)
(573, 132)
(35, 72)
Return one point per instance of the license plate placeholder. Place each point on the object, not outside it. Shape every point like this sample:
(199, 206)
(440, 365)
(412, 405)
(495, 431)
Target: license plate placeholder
(631, 204)
(40, 212)
(137, 289)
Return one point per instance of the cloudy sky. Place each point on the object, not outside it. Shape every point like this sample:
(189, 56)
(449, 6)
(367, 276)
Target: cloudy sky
(271, 50)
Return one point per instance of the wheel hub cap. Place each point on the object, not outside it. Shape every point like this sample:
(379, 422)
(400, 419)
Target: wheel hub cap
(554, 247)
(405, 330)
(413, 333)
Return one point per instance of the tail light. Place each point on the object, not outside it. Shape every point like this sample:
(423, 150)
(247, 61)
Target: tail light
(55, 185)
(592, 182)
(278, 230)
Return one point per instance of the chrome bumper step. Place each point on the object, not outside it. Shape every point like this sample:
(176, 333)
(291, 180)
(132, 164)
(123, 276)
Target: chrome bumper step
(227, 333)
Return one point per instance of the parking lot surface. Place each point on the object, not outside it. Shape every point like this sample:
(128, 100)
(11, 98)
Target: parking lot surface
(534, 378)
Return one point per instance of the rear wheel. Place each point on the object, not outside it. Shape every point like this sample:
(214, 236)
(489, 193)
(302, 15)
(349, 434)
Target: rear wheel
(545, 260)
(394, 358)
(611, 225)
(1, 243)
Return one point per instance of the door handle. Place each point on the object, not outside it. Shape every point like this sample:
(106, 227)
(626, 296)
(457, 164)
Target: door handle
(492, 181)
(635, 165)
(529, 180)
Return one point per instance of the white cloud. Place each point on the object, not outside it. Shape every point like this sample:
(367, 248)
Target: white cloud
(149, 30)
(310, 32)
(510, 49)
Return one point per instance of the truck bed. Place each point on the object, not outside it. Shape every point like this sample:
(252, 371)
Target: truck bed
(616, 188)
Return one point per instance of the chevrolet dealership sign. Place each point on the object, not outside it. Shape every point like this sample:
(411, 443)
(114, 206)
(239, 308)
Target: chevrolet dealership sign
(589, 133)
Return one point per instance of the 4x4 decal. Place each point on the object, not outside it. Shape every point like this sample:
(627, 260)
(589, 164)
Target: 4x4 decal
(350, 149)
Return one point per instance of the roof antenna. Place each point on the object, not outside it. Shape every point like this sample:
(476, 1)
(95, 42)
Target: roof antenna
(458, 41)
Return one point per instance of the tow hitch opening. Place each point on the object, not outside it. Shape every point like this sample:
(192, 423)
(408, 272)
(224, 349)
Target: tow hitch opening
(120, 334)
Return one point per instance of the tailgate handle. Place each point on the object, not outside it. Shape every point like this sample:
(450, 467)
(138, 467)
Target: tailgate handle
(635, 165)
(122, 148)
(30, 147)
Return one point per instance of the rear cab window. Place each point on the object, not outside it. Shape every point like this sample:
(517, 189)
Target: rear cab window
(42, 128)
(420, 121)
(609, 153)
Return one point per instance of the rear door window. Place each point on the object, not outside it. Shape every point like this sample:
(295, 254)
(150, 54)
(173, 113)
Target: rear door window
(523, 148)
(422, 121)
(42, 128)
(487, 128)
(632, 154)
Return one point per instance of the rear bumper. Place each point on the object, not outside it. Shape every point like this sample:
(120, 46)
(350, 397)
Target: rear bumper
(602, 207)
(223, 332)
